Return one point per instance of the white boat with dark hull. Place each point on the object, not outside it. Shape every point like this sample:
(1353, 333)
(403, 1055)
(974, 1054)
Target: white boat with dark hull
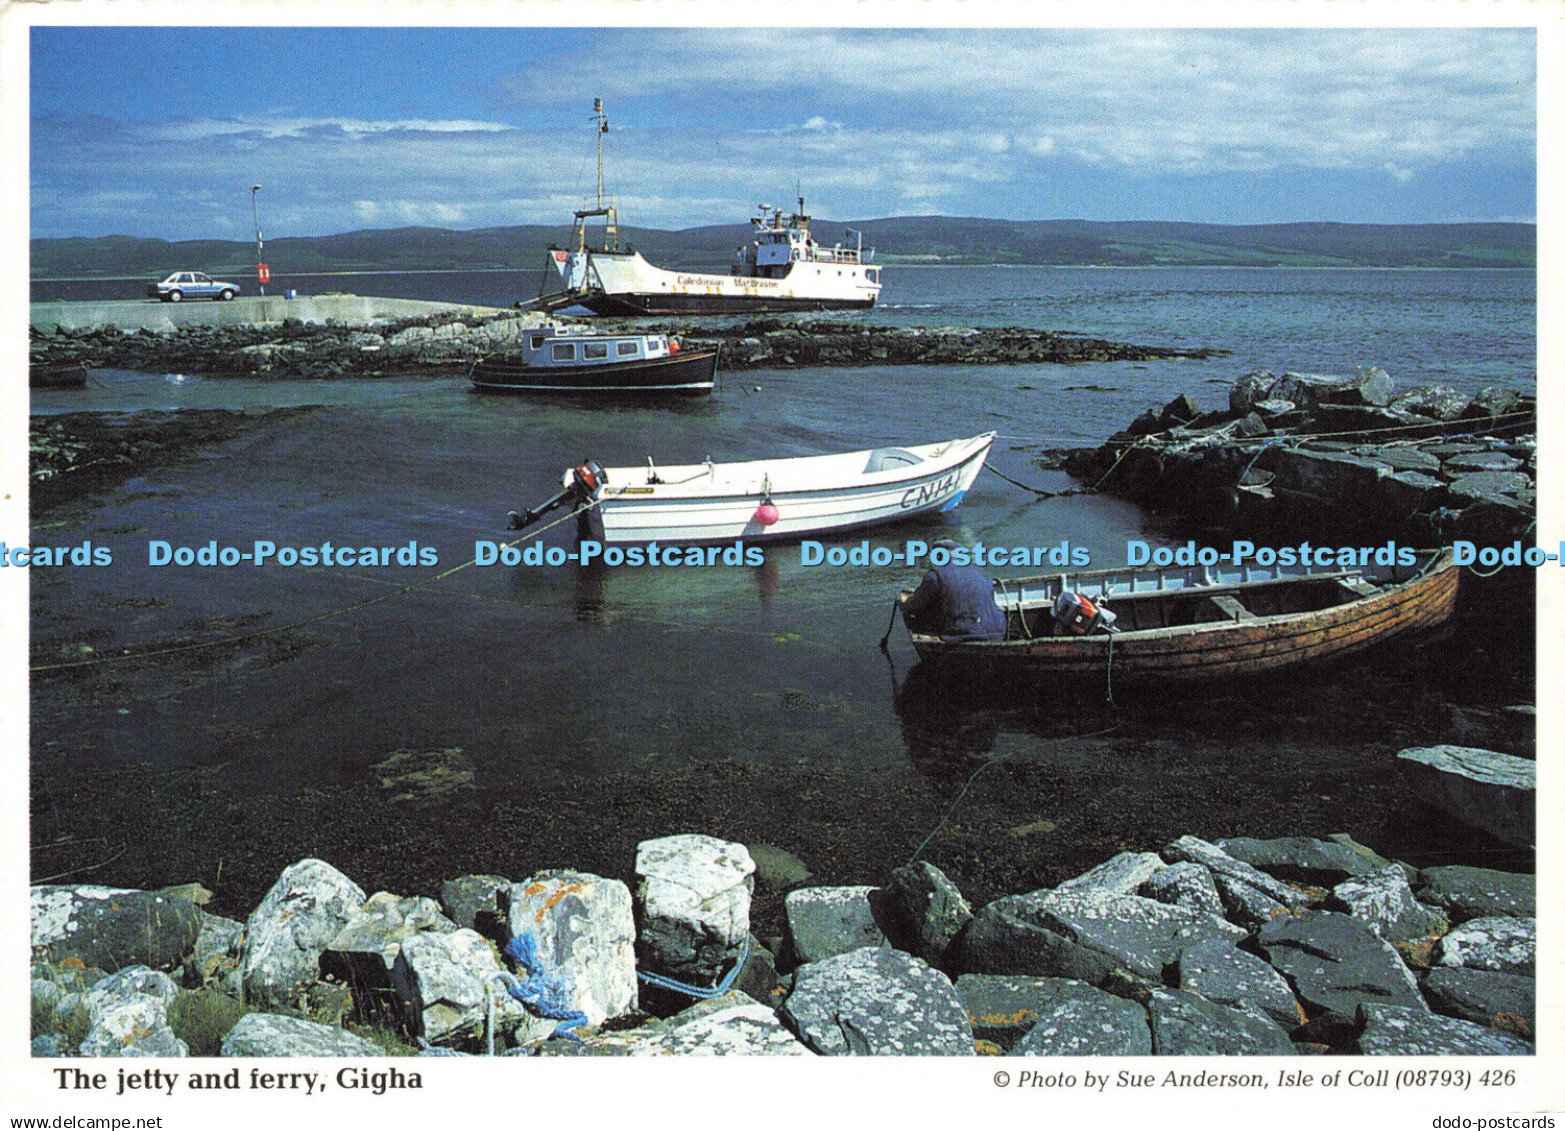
(568, 359)
(767, 500)
(782, 269)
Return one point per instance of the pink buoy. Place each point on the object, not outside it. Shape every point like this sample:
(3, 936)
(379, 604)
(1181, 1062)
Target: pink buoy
(766, 514)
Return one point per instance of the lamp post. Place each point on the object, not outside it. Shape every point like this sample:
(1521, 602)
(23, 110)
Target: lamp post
(261, 273)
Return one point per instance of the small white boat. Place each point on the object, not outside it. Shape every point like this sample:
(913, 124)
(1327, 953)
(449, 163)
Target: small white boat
(768, 499)
(572, 359)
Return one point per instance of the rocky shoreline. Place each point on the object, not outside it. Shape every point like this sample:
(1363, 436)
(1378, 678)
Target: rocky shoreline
(777, 344)
(294, 349)
(1343, 455)
(1286, 946)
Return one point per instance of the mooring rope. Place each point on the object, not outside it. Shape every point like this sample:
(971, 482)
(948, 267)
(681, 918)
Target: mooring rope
(1037, 490)
(700, 993)
(1272, 443)
(1128, 449)
(1496, 569)
(552, 995)
(971, 777)
(1108, 673)
(891, 625)
(1021, 612)
(952, 807)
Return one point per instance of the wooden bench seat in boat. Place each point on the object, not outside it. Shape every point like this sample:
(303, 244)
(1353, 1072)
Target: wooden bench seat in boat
(1221, 606)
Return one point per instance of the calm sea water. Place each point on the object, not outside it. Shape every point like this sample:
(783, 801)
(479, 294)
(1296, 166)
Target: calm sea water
(1462, 328)
(607, 669)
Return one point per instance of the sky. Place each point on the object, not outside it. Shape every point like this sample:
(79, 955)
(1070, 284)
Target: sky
(161, 131)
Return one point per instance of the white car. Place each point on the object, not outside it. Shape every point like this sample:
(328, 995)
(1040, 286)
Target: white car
(191, 284)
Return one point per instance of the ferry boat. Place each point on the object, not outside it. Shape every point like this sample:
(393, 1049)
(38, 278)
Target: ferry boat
(572, 359)
(783, 268)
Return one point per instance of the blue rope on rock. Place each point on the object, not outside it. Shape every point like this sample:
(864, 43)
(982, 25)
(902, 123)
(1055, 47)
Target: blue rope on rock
(700, 993)
(1273, 442)
(549, 995)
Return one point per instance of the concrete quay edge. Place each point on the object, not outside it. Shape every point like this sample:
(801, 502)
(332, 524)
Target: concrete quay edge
(254, 310)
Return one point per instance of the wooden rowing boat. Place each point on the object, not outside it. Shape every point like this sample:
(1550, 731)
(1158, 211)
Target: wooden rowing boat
(1199, 623)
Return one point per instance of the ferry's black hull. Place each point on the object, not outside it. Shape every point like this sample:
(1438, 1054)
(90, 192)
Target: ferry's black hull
(682, 374)
(631, 304)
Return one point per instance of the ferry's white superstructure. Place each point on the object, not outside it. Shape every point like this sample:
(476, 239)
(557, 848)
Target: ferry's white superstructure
(784, 268)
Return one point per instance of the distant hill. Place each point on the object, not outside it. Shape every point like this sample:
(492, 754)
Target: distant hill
(903, 239)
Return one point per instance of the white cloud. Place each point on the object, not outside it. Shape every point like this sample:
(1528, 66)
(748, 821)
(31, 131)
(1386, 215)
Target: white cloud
(270, 127)
(1150, 101)
(415, 213)
(869, 123)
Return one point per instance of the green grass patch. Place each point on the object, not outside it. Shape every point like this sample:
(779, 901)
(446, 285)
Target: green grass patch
(202, 1018)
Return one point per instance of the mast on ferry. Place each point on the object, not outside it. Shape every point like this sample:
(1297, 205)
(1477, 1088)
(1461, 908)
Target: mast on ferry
(603, 127)
(611, 221)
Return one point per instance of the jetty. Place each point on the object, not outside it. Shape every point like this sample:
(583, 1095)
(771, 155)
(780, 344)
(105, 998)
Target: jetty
(131, 315)
(351, 335)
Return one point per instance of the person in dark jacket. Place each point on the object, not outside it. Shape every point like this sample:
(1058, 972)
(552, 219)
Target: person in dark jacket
(955, 603)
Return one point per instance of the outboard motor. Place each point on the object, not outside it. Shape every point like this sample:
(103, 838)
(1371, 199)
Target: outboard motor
(1075, 615)
(582, 483)
(586, 478)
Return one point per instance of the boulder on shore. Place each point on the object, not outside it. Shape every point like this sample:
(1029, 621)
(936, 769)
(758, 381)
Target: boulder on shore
(1104, 1025)
(1392, 1030)
(306, 909)
(823, 922)
(112, 928)
(1482, 788)
(1501, 943)
(1225, 975)
(274, 1034)
(365, 950)
(1003, 1008)
(1475, 893)
(877, 1001)
(474, 901)
(1305, 860)
(583, 931)
(1337, 963)
(453, 987)
(927, 909)
(1187, 1024)
(1488, 997)
(1384, 900)
(694, 897)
